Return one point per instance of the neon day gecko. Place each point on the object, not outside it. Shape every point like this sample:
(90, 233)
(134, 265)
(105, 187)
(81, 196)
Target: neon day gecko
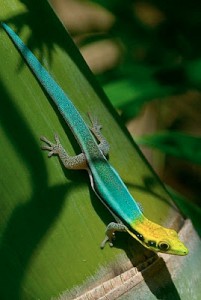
(105, 181)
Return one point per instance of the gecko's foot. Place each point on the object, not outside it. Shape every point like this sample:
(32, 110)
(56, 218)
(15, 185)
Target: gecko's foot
(96, 126)
(96, 131)
(110, 233)
(140, 206)
(108, 239)
(51, 147)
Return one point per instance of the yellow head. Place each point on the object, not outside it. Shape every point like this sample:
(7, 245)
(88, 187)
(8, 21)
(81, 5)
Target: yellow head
(157, 238)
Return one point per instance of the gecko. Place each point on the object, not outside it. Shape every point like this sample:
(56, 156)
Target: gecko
(104, 179)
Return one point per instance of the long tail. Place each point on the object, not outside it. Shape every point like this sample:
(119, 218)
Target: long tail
(64, 104)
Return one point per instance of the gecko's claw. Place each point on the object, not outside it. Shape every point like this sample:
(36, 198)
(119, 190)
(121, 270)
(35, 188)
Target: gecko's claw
(140, 207)
(51, 153)
(102, 245)
(44, 139)
(51, 147)
(106, 239)
(109, 239)
(96, 126)
(57, 140)
(48, 148)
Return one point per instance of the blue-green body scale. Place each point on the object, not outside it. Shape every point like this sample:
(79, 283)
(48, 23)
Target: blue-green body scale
(106, 181)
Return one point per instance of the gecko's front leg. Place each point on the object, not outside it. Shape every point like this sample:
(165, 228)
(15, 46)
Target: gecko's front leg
(110, 233)
(69, 162)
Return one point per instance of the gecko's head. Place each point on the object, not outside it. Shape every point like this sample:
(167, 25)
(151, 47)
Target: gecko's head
(166, 241)
(158, 238)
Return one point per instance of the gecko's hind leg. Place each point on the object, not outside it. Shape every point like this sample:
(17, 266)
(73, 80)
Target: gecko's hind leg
(69, 162)
(96, 130)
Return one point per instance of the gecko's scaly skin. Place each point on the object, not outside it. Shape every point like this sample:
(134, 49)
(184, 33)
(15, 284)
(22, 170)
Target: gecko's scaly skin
(105, 181)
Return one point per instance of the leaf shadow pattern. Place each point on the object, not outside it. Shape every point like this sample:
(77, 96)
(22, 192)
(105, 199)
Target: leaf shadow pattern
(26, 229)
(159, 281)
(156, 275)
(29, 222)
(46, 33)
(37, 11)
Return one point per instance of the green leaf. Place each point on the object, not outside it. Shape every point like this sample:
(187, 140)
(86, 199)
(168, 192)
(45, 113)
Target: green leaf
(178, 144)
(51, 224)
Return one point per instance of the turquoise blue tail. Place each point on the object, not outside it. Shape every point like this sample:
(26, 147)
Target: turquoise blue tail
(64, 104)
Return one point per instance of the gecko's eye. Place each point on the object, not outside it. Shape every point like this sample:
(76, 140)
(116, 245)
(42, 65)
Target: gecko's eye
(163, 246)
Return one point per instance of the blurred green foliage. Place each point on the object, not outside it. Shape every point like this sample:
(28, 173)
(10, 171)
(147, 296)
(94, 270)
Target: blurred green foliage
(175, 143)
(161, 58)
